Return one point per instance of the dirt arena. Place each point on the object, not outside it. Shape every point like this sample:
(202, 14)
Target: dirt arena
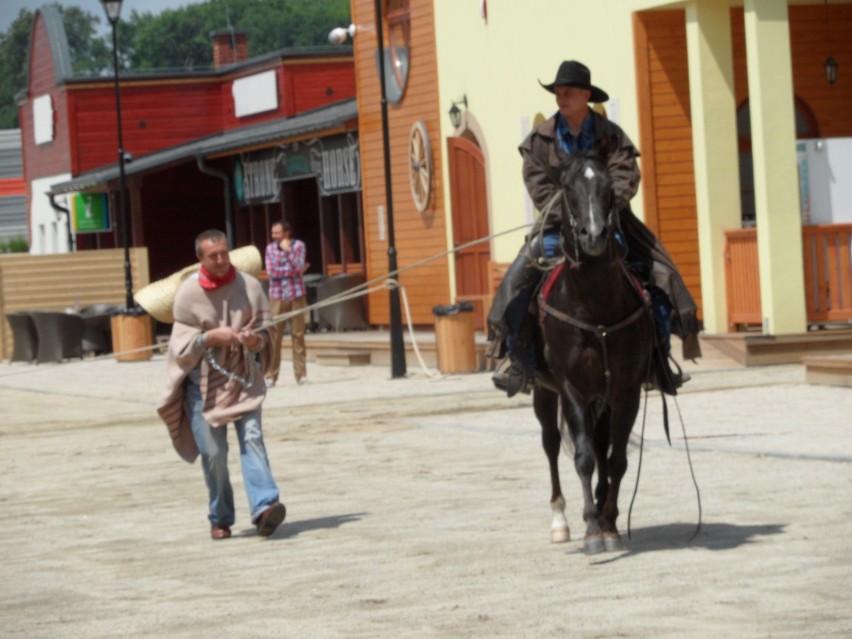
(419, 508)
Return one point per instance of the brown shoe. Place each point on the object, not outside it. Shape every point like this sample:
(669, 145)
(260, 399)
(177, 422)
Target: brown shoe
(270, 519)
(218, 532)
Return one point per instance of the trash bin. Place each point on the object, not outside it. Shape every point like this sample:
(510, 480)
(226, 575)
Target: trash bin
(131, 333)
(454, 338)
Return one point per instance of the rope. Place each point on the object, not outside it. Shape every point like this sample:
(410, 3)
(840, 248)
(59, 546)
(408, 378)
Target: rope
(688, 459)
(691, 470)
(356, 291)
(639, 464)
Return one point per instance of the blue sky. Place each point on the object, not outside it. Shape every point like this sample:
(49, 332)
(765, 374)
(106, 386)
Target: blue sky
(9, 9)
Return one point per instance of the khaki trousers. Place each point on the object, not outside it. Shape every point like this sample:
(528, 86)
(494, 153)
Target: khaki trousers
(297, 338)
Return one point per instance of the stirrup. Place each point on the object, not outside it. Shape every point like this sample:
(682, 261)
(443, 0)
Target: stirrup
(511, 377)
(678, 376)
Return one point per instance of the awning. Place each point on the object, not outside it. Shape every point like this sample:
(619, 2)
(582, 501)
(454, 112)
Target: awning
(328, 117)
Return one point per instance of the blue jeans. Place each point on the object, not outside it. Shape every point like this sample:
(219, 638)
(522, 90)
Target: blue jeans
(212, 442)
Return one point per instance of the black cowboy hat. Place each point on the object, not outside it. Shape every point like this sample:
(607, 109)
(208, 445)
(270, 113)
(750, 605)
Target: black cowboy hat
(576, 74)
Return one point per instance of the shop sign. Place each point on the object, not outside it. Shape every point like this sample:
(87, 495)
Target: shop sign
(334, 161)
(254, 178)
(341, 165)
(90, 212)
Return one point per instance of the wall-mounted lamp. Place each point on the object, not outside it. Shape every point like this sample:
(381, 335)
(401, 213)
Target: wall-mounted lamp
(830, 64)
(455, 111)
(830, 70)
(338, 35)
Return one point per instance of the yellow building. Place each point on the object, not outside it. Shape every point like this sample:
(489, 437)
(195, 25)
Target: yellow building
(702, 86)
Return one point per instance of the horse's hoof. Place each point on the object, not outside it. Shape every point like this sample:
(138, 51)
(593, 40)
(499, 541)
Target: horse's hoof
(593, 544)
(612, 542)
(560, 535)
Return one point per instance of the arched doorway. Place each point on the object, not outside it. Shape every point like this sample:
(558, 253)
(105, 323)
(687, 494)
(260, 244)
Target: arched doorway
(470, 222)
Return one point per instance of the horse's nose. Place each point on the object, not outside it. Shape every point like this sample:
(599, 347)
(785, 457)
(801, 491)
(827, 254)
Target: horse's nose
(599, 233)
(594, 240)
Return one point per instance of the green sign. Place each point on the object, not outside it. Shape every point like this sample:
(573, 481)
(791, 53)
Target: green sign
(90, 212)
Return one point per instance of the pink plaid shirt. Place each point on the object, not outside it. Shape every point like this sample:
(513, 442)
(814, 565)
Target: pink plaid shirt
(284, 270)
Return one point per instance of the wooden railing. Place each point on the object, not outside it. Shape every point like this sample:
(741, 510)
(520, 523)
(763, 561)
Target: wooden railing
(337, 269)
(828, 272)
(827, 250)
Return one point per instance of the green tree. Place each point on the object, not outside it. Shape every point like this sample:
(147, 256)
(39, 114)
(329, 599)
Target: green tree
(89, 54)
(13, 67)
(181, 37)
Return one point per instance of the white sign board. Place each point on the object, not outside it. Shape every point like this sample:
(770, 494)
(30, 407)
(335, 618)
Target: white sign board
(43, 119)
(255, 94)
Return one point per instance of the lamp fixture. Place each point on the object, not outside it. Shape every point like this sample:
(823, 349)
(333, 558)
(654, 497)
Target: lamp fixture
(830, 64)
(113, 10)
(830, 70)
(338, 35)
(455, 111)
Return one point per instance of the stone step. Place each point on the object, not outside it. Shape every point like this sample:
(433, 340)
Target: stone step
(343, 358)
(830, 370)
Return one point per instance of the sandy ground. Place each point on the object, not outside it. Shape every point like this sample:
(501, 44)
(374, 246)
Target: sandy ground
(419, 508)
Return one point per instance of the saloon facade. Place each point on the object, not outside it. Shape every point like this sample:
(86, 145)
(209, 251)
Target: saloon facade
(251, 141)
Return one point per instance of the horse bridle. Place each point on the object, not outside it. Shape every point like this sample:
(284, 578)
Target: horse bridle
(611, 223)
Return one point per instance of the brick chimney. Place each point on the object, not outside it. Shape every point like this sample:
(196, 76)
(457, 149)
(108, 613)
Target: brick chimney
(229, 46)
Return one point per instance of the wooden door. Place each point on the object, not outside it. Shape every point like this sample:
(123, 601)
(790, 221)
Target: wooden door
(470, 222)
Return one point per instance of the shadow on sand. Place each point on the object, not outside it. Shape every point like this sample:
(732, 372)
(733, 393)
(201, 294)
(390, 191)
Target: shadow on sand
(290, 529)
(712, 536)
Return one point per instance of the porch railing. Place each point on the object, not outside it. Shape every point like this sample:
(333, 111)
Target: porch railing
(827, 253)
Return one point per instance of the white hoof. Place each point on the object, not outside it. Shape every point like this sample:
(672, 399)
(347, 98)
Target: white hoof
(560, 535)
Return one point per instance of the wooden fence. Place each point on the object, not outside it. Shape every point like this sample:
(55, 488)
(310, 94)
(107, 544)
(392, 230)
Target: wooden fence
(67, 280)
(828, 275)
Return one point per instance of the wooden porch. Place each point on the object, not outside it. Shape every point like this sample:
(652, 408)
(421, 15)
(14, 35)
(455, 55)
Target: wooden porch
(826, 349)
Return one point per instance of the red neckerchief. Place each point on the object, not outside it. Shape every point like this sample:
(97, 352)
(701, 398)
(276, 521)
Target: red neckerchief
(211, 282)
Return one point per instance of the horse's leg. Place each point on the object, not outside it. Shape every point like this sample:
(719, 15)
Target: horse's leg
(620, 427)
(601, 435)
(546, 405)
(579, 424)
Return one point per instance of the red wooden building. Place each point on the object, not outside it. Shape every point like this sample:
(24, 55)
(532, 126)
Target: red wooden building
(234, 147)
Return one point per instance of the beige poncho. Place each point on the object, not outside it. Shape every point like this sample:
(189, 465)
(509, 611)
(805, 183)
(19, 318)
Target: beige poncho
(238, 304)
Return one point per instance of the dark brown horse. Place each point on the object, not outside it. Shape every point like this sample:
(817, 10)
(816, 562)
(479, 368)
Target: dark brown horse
(596, 342)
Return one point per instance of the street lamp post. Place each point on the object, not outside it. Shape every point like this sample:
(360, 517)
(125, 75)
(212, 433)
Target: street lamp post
(113, 10)
(397, 346)
(396, 343)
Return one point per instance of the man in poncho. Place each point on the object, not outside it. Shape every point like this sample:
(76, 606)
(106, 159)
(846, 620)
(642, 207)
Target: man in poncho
(218, 353)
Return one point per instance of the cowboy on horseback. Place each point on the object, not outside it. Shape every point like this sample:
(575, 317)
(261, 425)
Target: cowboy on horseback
(576, 128)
